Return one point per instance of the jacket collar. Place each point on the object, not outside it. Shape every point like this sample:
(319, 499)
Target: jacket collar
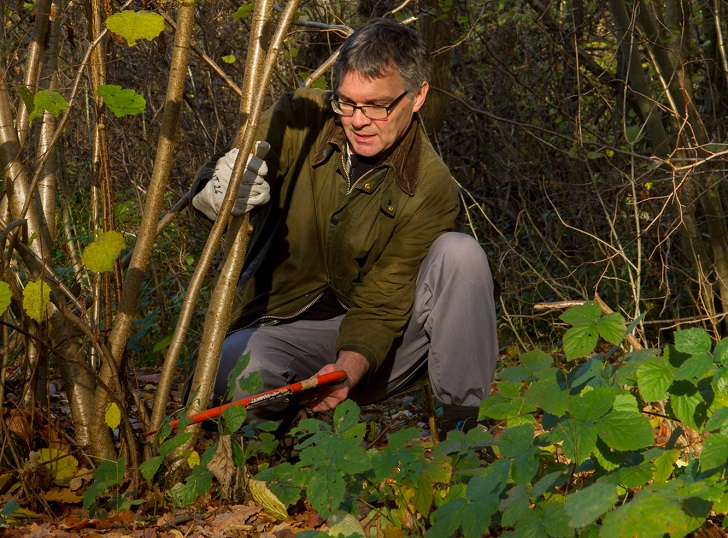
(404, 160)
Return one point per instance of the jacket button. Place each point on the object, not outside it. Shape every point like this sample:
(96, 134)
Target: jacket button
(335, 219)
(367, 186)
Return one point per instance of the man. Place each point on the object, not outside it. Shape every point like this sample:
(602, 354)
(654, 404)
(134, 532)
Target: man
(352, 264)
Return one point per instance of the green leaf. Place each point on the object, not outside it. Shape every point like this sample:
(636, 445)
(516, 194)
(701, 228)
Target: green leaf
(111, 472)
(100, 255)
(150, 467)
(326, 491)
(516, 440)
(47, 100)
(447, 519)
(174, 442)
(720, 353)
(632, 133)
(586, 314)
(612, 328)
(688, 405)
(622, 430)
(695, 367)
(578, 439)
(625, 401)
(654, 378)
(665, 464)
(547, 394)
(233, 418)
(715, 452)
(525, 466)
(10, 507)
(122, 101)
(592, 404)
(717, 420)
(498, 407)
(636, 476)
(536, 360)
(5, 296)
(651, 514)
(580, 341)
(113, 415)
(36, 297)
(196, 485)
(136, 25)
(243, 11)
(693, 341)
(589, 504)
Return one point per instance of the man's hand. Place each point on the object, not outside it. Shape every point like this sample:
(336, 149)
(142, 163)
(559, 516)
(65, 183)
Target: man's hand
(355, 365)
(254, 190)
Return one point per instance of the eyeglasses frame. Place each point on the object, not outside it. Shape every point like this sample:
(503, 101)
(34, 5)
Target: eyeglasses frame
(388, 109)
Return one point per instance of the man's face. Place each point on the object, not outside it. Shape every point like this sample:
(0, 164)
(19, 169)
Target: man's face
(373, 138)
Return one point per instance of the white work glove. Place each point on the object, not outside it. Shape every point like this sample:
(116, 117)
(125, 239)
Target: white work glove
(254, 190)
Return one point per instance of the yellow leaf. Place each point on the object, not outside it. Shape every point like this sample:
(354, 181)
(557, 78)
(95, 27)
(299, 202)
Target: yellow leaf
(193, 459)
(267, 500)
(113, 415)
(62, 495)
(5, 295)
(36, 297)
(59, 463)
(99, 256)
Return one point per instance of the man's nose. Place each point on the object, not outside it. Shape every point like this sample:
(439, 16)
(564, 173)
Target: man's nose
(359, 119)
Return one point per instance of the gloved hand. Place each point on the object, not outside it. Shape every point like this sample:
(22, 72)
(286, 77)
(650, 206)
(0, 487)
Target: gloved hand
(254, 190)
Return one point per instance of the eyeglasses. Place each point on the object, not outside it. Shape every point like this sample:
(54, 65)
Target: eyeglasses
(373, 112)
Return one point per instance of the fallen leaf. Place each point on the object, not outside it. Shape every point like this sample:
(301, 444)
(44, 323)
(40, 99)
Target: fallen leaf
(237, 518)
(62, 495)
(222, 465)
(267, 499)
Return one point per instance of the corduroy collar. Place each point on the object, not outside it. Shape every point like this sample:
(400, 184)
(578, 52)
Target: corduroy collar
(404, 160)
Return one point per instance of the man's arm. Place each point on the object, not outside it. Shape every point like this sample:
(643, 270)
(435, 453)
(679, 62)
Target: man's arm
(356, 367)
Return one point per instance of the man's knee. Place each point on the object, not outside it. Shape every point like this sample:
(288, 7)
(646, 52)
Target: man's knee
(461, 253)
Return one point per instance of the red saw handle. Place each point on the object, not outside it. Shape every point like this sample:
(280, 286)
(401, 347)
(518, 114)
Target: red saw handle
(262, 397)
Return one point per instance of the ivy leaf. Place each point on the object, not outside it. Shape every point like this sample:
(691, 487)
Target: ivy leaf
(136, 25)
(36, 297)
(47, 100)
(5, 296)
(693, 341)
(150, 467)
(580, 315)
(612, 327)
(654, 378)
(715, 452)
(622, 430)
(113, 415)
(589, 504)
(122, 101)
(579, 341)
(99, 256)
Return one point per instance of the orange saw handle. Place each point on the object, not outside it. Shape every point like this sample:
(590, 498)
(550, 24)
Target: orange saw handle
(266, 396)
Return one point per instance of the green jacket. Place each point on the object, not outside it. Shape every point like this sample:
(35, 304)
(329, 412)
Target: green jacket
(365, 243)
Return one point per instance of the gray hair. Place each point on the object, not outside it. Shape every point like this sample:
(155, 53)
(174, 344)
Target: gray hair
(380, 45)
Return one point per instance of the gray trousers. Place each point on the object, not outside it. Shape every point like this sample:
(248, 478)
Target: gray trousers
(451, 334)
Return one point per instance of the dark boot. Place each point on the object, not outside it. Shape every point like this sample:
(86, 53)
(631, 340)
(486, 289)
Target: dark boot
(456, 417)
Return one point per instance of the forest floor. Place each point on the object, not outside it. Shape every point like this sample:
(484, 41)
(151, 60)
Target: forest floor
(211, 516)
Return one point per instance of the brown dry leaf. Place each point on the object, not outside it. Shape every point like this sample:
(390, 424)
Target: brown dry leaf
(222, 465)
(19, 423)
(62, 495)
(237, 518)
(149, 378)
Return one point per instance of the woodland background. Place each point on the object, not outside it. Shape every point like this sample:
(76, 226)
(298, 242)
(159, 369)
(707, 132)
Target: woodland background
(589, 139)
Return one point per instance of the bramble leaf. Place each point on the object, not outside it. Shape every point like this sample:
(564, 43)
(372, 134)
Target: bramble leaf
(326, 490)
(715, 452)
(695, 367)
(622, 430)
(233, 418)
(122, 101)
(135, 25)
(654, 377)
(113, 415)
(589, 504)
(110, 472)
(688, 405)
(36, 297)
(693, 341)
(516, 440)
(592, 404)
(580, 340)
(5, 296)
(612, 327)
(578, 439)
(196, 485)
(536, 360)
(665, 464)
(586, 314)
(150, 467)
(100, 255)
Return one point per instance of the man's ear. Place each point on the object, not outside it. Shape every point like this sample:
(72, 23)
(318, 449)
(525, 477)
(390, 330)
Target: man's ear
(420, 96)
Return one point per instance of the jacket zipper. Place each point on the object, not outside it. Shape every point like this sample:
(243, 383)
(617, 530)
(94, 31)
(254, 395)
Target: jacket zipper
(345, 167)
(271, 320)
